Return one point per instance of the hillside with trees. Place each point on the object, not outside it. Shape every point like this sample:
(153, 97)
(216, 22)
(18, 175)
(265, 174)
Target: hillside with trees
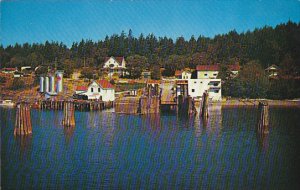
(264, 46)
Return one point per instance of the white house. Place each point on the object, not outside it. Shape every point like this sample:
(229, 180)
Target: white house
(115, 65)
(100, 89)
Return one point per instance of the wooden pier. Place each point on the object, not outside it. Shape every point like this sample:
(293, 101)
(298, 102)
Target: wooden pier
(23, 119)
(80, 105)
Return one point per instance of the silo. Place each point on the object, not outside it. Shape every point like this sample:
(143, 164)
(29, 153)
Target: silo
(41, 84)
(52, 84)
(46, 84)
(59, 83)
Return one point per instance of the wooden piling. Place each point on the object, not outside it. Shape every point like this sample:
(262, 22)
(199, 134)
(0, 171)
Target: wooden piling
(23, 120)
(263, 118)
(204, 105)
(69, 116)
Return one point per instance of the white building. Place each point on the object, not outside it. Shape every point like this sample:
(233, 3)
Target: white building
(206, 81)
(101, 89)
(114, 65)
(196, 88)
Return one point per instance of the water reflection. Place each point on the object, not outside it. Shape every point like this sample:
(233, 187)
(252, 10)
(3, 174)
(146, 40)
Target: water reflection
(263, 141)
(151, 120)
(108, 127)
(212, 124)
(24, 143)
(68, 132)
(186, 121)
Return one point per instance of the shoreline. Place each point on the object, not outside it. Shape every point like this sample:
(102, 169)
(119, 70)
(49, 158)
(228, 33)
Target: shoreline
(254, 102)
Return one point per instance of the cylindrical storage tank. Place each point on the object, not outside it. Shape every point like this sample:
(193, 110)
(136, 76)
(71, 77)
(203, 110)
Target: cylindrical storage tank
(59, 83)
(52, 84)
(41, 84)
(46, 84)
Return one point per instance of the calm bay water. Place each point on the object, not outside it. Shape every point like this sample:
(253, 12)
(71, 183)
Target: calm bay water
(107, 150)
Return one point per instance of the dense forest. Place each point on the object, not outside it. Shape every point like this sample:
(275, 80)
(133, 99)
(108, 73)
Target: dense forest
(265, 46)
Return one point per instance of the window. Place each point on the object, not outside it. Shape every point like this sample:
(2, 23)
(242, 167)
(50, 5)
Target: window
(215, 74)
(193, 90)
(92, 90)
(98, 89)
(195, 82)
(216, 91)
(205, 74)
(215, 84)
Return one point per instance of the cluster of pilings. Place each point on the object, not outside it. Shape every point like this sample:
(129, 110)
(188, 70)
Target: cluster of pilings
(149, 105)
(204, 106)
(69, 115)
(186, 105)
(152, 89)
(23, 119)
(137, 105)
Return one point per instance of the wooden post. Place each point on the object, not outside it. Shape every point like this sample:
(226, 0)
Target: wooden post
(69, 116)
(204, 106)
(191, 106)
(23, 120)
(263, 118)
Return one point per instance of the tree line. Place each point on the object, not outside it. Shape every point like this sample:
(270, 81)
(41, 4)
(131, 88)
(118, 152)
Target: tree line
(278, 45)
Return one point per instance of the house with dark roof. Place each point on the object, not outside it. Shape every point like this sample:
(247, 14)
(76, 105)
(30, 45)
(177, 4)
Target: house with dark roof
(115, 65)
(97, 90)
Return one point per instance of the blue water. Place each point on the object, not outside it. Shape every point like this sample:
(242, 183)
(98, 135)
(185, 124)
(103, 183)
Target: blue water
(111, 151)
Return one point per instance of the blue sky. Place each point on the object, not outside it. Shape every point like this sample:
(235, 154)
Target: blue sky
(69, 21)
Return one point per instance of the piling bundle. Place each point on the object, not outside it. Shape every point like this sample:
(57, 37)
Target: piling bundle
(204, 106)
(186, 105)
(137, 105)
(149, 104)
(263, 118)
(69, 116)
(128, 105)
(23, 119)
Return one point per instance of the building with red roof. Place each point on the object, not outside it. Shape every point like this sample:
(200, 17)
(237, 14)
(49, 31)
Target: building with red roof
(212, 71)
(97, 90)
(9, 70)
